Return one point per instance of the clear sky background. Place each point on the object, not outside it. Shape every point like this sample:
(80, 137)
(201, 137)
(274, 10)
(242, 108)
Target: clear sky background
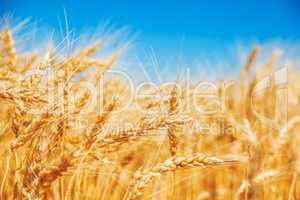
(173, 27)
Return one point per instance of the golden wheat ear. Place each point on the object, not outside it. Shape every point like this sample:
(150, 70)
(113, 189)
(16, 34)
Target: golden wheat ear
(142, 178)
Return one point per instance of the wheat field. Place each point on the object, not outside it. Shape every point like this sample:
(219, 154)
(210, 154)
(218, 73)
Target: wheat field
(62, 140)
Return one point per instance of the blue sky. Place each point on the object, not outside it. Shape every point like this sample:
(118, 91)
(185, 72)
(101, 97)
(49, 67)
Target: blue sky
(172, 27)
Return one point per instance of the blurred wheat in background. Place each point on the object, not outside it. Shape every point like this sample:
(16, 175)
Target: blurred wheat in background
(57, 148)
